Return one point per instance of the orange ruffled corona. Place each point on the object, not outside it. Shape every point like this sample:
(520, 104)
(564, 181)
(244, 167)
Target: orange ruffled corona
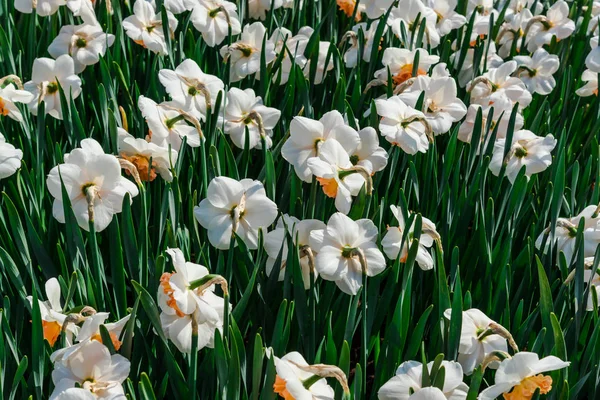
(147, 172)
(3, 110)
(164, 282)
(113, 337)
(330, 186)
(51, 331)
(279, 387)
(406, 73)
(527, 387)
(348, 6)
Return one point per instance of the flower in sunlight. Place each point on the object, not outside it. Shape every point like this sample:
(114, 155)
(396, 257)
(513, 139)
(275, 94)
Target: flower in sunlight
(145, 27)
(148, 158)
(294, 380)
(10, 158)
(214, 18)
(12, 92)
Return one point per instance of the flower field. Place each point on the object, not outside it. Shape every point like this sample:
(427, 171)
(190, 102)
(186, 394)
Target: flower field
(299, 199)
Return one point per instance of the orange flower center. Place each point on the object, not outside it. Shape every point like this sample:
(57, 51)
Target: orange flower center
(527, 387)
(348, 6)
(51, 331)
(280, 388)
(330, 186)
(164, 282)
(147, 172)
(406, 73)
(113, 337)
(3, 110)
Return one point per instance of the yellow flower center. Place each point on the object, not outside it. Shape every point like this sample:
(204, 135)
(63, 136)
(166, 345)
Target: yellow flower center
(279, 387)
(330, 186)
(51, 331)
(527, 387)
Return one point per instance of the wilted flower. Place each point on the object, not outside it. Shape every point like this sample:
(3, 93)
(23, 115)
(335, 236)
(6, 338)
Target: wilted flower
(394, 247)
(90, 372)
(536, 71)
(520, 376)
(93, 183)
(308, 135)
(235, 206)
(276, 241)
(347, 249)
(407, 383)
(10, 93)
(527, 150)
(190, 88)
(214, 18)
(10, 158)
(146, 29)
(292, 379)
(85, 43)
(46, 77)
(245, 112)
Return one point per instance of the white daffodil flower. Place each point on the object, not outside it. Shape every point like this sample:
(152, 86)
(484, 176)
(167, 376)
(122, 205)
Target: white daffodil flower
(52, 315)
(145, 27)
(167, 125)
(498, 82)
(478, 339)
(376, 8)
(394, 247)
(46, 77)
(512, 32)
(291, 381)
(527, 150)
(191, 89)
(321, 69)
(407, 383)
(591, 84)
(465, 75)
(43, 8)
(308, 135)
(369, 154)
(235, 206)
(351, 56)
(441, 106)
(347, 249)
(83, 9)
(9, 95)
(520, 376)
(447, 19)
(90, 372)
(93, 183)
(400, 64)
(276, 241)
(244, 56)
(257, 9)
(566, 233)
(245, 112)
(536, 71)
(336, 174)
(402, 125)
(85, 43)
(148, 158)
(410, 13)
(555, 23)
(293, 50)
(10, 158)
(214, 18)
(183, 307)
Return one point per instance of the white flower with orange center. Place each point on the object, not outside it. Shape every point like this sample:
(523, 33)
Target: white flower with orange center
(10, 158)
(394, 246)
(518, 378)
(145, 27)
(214, 18)
(400, 63)
(148, 158)
(52, 315)
(347, 250)
(90, 372)
(12, 92)
(348, 7)
(235, 206)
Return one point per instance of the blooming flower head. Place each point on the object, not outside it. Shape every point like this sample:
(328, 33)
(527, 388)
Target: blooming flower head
(11, 93)
(46, 77)
(43, 8)
(235, 206)
(10, 158)
(447, 19)
(536, 71)
(146, 29)
(477, 339)
(527, 150)
(368, 154)
(90, 330)
(148, 158)
(290, 381)
(346, 249)
(293, 50)
(512, 32)
(276, 241)
(591, 84)
(52, 314)
(85, 43)
(308, 135)
(411, 13)
(183, 306)
(244, 56)
(93, 183)
(245, 112)
(214, 18)
(190, 88)
(566, 233)
(400, 63)
(167, 125)
(498, 83)
(90, 372)
(520, 376)
(556, 23)
(402, 125)
(394, 247)
(407, 383)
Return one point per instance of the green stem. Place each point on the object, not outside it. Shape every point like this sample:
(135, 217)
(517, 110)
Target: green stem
(172, 121)
(365, 339)
(307, 383)
(193, 368)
